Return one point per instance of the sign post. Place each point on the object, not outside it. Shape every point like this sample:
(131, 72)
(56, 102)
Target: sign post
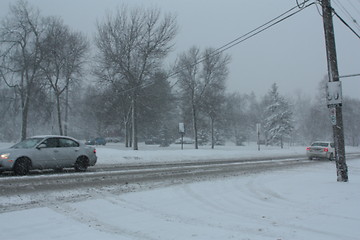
(182, 132)
(258, 126)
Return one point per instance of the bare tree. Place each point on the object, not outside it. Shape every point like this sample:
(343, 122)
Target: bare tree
(201, 86)
(239, 119)
(189, 78)
(21, 34)
(64, 53)
(132, 43)
(215, 72)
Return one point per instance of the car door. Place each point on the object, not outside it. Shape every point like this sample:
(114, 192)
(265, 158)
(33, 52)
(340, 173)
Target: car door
(50, 152)
(39, 155)
(69, 150)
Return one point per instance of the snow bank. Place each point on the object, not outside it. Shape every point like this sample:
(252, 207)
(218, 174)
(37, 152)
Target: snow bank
(117, 153)
(299, 203)
(296, 204)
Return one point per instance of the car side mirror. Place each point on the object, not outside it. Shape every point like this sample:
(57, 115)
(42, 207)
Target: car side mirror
(43, 145)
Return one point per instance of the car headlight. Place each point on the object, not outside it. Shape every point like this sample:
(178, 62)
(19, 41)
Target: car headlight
(4, 156)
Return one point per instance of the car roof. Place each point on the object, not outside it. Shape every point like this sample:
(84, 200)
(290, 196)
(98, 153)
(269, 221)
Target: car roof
(50, 136)
(326, 142)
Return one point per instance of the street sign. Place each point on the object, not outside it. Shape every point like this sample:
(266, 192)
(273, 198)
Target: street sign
(334, 93)
(181, 128)
(333, 115)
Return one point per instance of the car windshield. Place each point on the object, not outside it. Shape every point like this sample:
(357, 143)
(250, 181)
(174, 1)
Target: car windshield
(28, 143)
(320, 144)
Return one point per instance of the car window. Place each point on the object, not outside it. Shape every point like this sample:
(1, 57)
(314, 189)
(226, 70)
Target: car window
(319, 144)
(51, 142)
(28, 143)
(64, 142)
(332, 145)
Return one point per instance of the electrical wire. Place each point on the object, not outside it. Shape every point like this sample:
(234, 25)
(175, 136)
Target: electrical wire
(301, 5)
(346, 24)
(344, 10)
(317, 7)
(251, 34)
(352, 4)
(225, 47)
(282, 17)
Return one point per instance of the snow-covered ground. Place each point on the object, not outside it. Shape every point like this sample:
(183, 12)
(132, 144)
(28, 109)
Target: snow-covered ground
(114, 153)
(298, 203)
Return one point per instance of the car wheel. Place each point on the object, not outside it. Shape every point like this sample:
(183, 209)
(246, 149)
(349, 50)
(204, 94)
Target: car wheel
(310, 158)
(22, 166)
(331, 157)
(81, 164)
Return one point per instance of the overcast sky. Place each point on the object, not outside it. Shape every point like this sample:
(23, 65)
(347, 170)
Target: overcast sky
(292, 53)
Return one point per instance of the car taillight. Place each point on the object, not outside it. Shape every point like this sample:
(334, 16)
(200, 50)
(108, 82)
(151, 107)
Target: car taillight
(308, 149)
(94, 151)
(326, 149)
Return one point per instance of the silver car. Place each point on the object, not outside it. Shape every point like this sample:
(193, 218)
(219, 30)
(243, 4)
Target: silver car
(321, 149)
(47, 152)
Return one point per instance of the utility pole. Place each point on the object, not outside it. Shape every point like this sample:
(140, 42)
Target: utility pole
(334, 95)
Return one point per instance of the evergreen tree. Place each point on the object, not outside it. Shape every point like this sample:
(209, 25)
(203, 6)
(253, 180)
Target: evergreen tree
(278, 119)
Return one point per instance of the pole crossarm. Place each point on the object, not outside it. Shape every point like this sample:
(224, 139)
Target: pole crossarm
(350, 75)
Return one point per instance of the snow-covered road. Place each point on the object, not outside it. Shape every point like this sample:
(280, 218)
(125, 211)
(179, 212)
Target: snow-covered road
(304, 202)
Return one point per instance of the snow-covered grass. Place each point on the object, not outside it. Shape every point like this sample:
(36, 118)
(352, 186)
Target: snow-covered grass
(299, 203)
(150, 153)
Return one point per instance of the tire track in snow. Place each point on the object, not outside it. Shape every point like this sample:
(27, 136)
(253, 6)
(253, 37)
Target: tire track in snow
(93, 221)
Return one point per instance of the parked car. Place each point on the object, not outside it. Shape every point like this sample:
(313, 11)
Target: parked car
(185, 140)
(153, 141)
(321, 149)
(96, 141)
(112, 139)
(47, 152)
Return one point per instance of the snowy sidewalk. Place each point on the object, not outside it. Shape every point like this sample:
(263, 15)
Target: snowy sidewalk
(292, 204)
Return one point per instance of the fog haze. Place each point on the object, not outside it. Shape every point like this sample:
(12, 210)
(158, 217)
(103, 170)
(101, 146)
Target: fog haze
(292, 53)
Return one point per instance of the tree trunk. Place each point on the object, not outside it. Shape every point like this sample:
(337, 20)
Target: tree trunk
(25, 111)
(126, 133)
(134, 122)
(66, 122)
(59, 113)
(212, 133)
(25, 102)
(195, 127)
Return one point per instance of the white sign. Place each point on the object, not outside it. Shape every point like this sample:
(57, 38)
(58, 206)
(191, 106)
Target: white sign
(181, 128)
(258, 127)
(333, 115)
(334, 93)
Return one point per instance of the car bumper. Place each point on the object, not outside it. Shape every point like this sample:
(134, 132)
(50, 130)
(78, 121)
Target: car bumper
(6, 164)
(318, 154)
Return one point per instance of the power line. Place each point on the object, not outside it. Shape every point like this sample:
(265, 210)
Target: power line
(226, 46)
(342, 8)
(267, 27)
(280, 18)
(346, 24)
(253, 32)
(352, 4)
